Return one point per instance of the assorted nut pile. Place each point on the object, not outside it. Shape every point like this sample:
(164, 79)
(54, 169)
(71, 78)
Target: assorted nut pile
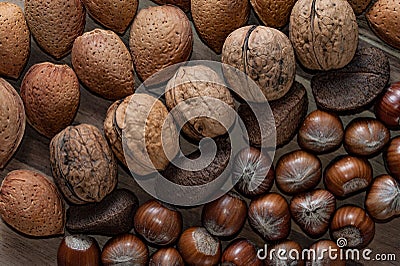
(84, 198)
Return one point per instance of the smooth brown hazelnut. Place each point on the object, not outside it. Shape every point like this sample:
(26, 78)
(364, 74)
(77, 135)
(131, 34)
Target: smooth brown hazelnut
(354, 225)
(78, 250)
(321, 257)
(269, 216)
(298, 171)
(166, 257)
(321, 132)
(254, 172)
(158, 223)
(387, 108)
(241, 252)
(225, 216)
(125, 249)
(198, 247)
(383, 198)
(365, 136)
(347, 175)
(392, 158)
(313, 210)
(288, 249)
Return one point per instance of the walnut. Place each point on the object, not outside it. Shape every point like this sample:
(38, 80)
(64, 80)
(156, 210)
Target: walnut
(83, 165)
(272, 13)
(192, 88)
(324, 33)
(265, 54)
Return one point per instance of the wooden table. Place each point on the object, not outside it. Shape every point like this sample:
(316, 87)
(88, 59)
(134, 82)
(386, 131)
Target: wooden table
(34, 154)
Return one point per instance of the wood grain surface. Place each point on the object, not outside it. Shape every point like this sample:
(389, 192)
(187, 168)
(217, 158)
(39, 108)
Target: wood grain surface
(33, 153)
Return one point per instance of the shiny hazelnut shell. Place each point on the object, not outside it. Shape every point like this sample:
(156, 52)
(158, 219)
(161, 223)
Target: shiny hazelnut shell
(298, 171)
(383, 198)
(322, 257)
(353, 224)
(289, 246)
(392, 158)
(347, 175)
(321, 132)
(198, 247)
(158, 223)
(225, 216)
(365, 136)
(387, 108)
(240, 252)
(269, 216)
(254, 172)
(78, 250)
(166, 256)
(126, 248)
(313, 210)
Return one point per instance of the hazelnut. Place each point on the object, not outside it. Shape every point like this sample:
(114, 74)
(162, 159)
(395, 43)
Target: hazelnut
(78, 250)
(321, 257)
(241, 252)
(166, 256)
(391, 157)
(387, 108)
(288, 249)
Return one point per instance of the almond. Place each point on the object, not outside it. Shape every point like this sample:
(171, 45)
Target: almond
(103, 64)
(51, 97)
(272, 13)
(31, 204)
(55, 24)
(183, 4)
(15, 40)
(12, 121)
(359, 6)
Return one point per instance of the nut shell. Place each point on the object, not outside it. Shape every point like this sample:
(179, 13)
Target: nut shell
(384, 20)
(241, 252)
(324, 33)
(271, 13)
(115, 15)
(78, 250)
(166, 256)
(15, 40)
(359, 6)
(387, 107)
(55, 24)
(322, 258)
(31, 204)
(51, 97)
(12, 121)
(83, 165)
(265, 55)
(391, 157)
(183, 4)
(160, 36)
(216, 19)
(103, 64)
(285, 248)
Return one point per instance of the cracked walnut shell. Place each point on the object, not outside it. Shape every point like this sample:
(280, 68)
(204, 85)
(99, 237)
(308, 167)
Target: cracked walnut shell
(83, 165)
(324, 33)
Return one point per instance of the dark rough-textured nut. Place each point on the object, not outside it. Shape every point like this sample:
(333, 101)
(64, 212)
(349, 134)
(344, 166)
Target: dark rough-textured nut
(355, 86)
(289, 113)
(265, 55)
(103, 64)
(160, 36)
(324, 33)
(384, 19)
(115, 15)
(30, 203)
(193, 95)
(359, 6)
(51, 97)
(83, 165)
(15, 40)
(55, 24)
(216, 19)
(183, 4)
(273, 14)
(111, 216)
(12, 121)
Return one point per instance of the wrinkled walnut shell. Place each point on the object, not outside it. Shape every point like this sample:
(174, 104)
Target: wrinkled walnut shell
(324, 33)
(31, 204)
(83, 164)
(12, 121)
(51, 97)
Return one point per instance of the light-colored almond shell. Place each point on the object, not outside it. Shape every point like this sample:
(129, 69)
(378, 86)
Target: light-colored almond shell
(103, 64)
(160, 36)
(12, 121)
(15, 40)
(216, 19)
(51, 97)
(384, 19)
(273, 13)
(30, 203)
(115, 15)
(55, 24)
(182, 4)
